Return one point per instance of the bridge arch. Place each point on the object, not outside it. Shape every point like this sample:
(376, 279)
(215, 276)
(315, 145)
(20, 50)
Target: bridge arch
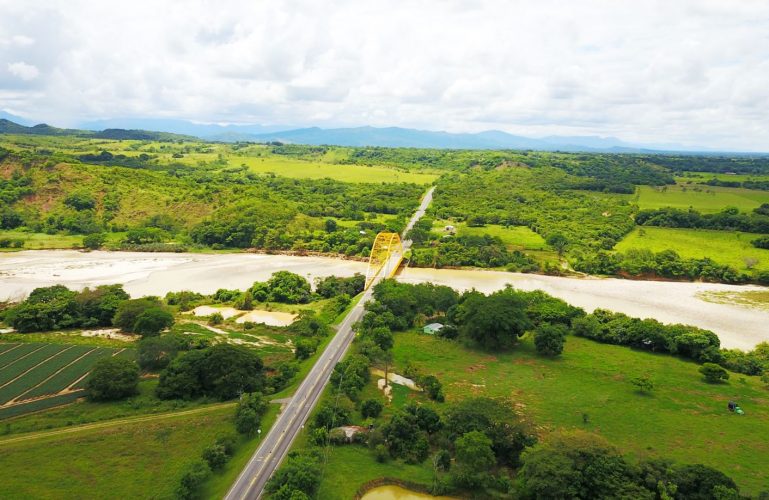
(386, 256)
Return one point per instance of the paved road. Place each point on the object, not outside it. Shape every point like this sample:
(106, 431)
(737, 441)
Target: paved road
(277, 442)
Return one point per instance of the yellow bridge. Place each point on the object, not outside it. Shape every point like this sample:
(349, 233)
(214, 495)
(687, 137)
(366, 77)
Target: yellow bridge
(386, 257)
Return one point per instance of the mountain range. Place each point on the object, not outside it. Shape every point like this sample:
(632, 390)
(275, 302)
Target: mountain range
(354, 136)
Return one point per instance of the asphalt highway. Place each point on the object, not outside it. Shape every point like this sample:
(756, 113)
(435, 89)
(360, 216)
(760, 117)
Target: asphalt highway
(275, 445)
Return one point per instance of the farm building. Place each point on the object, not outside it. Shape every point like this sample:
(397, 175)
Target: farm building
(432, 328)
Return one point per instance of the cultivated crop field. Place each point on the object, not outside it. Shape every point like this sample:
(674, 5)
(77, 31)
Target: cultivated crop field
(37, 376)
(724, 247)
(705, 199)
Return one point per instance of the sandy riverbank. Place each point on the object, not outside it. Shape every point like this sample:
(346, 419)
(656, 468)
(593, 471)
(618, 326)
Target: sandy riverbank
(157, 274)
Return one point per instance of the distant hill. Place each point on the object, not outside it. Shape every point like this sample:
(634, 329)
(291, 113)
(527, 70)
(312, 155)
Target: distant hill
(9, 127)
(412, 138)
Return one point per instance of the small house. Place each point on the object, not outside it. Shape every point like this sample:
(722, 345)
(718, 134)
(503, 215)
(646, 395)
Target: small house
(432, 328)
(450, 229)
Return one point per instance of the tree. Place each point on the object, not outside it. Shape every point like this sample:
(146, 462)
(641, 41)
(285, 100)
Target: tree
(113, 378)
(215, 456)
(193, 478)
(331, 225)
(474, 458)
(301, 473)
(549, 339)
(288, 288)
(371, 408)
(713, 373)
(643, 384)
(223, 371)
(405, 439)
(248, 416)
(152, 321)
(495, 321)
(155, 353)
(99, 305)
(129, 311)
(47, 308)
(442, 460)
(432, 387)
(559, 242)
(94, 241)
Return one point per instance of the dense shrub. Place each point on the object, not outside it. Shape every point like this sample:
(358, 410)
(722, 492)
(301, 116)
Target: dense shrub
(129, 311)
(56, 307)
(549, 339)
(112, 378)
(248, 416)
(223, 371)
(155, 353)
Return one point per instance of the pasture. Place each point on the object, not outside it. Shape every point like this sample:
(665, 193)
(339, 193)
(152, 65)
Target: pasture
(683, 418)
(515, 237)
(301, 169)
(36, 376)
(138, 460)
(724, 247)
(705, 199)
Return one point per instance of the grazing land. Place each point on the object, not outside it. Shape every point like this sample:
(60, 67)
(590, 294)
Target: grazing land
(147, 456)
(725, 247)
(705, 199)
(684, 418)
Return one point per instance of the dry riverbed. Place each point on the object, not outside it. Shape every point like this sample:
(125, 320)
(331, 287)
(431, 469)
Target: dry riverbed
(159, 273)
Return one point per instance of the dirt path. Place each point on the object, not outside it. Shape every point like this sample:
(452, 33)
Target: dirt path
(111, 423)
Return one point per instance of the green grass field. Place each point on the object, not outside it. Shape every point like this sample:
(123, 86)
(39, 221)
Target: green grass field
(515, 237)
(724, 247)
(138, 460)
(316, 170)
(699, 177)
(705, 199)
(42, 241)
(684, 418)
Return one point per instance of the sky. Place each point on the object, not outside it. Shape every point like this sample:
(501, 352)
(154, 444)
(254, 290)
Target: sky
(693, 72)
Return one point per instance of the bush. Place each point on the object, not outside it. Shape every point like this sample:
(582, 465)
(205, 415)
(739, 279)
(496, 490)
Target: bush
(371, 408)
(216, 319)
(112, 379)
(152, 321)
(248, 416)
(155, 353)
(215, 456)
(713, 373)
(129, 311)
(643, 384)
(94, 241)
(299, 475)
(549, 339)
(193, 478)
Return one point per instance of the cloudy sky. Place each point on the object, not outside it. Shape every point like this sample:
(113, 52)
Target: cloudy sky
(679, 71)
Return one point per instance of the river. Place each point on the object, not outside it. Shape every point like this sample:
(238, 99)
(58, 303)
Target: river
(159, 273)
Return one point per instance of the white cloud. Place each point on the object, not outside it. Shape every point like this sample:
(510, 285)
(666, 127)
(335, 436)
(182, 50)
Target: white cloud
(23, 70)
(690, 71)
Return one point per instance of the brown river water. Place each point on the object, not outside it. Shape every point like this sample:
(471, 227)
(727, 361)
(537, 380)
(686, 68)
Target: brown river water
(158, 273)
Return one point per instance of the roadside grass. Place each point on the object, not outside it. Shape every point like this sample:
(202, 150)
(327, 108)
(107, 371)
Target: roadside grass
(724, 247)
(84, 411)
(302, 169)
(705, 199)
(140, 460)
(220, 482)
